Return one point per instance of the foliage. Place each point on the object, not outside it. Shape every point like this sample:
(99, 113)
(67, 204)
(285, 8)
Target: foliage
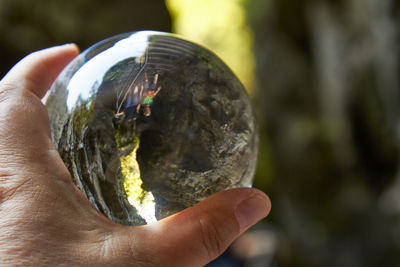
(328, 100)
(26, 25)
(221, 26)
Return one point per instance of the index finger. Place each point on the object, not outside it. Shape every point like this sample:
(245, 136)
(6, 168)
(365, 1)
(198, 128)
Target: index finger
(39, 69)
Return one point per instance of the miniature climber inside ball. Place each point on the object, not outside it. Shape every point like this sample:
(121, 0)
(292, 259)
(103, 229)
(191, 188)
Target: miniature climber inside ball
(149, 124)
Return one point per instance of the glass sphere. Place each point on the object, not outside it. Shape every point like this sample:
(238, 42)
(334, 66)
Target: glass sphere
(149, 124)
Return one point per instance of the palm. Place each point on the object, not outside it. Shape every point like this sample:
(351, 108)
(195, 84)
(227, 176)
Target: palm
(46, 220)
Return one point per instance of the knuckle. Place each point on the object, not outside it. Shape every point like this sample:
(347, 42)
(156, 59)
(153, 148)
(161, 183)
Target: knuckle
(212, 238)
(5, 91)
(122, 247)
(14, 101)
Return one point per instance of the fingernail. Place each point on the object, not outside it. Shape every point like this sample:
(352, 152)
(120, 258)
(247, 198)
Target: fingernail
(69, 45)
(251, 210)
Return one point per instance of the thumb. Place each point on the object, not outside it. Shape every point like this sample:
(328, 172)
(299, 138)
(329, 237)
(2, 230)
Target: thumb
(201, 233)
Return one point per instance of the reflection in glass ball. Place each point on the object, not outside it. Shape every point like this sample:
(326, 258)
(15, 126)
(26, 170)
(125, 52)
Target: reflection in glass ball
(149, 124)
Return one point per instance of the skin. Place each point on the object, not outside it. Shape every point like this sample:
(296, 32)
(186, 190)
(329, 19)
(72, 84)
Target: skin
(44, 218)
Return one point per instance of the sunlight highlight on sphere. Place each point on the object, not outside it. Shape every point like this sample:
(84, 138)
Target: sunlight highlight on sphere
(149, 124)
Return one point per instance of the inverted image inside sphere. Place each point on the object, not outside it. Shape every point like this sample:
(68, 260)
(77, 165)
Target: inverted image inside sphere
(149, 124)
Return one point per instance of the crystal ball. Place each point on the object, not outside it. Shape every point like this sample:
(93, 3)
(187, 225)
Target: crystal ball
(149, 124)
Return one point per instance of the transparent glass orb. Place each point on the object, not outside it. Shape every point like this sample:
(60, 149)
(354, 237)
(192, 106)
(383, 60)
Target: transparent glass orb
(149, 124)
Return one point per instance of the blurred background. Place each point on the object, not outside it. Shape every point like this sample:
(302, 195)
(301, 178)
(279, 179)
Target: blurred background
(324, 79)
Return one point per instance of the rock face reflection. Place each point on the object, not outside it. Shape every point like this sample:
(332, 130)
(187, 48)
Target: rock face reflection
(149, 124)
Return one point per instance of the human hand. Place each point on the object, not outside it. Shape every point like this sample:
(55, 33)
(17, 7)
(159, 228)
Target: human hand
(46, 220)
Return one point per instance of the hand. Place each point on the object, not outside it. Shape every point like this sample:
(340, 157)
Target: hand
(45, 219)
